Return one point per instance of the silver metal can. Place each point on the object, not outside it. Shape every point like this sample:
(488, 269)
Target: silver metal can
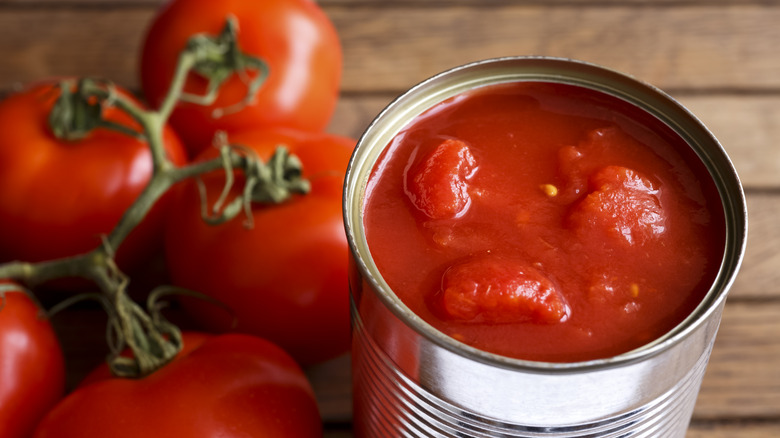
(410, 380)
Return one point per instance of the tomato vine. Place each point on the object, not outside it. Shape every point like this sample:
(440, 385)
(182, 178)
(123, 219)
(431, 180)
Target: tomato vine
(153, 340)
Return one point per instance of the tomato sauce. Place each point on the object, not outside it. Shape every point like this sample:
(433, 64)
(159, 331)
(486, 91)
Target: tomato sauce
(544, 222)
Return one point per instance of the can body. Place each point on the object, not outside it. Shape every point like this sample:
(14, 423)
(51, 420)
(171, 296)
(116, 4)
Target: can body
(412, 381)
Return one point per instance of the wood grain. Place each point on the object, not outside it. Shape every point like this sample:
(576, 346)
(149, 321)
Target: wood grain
(742, 379)
(42, 43)
(730, 430)
(748, 127)
(392, 47)
(681, 47)
(105, 43)
(697, 430)
(717, 57)
(759, 276)
(374, 3)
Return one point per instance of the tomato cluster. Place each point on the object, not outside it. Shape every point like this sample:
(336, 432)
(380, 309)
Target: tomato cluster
(274, 277)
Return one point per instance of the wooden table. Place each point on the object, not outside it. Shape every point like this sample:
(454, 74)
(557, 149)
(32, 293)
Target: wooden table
(721, 58)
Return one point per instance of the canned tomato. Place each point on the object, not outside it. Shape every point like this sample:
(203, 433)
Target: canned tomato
(541, 247)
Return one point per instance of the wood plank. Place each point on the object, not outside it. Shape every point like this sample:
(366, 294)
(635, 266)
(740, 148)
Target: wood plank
(742, 381)
(718, 57)
(743, 376)
(440, 3)
(38, 44)
(745, 124)
(748, 127)
(759, 276)
(392, 47)
(729, 430)
(697, 430)
(332, 383)
(681, 47)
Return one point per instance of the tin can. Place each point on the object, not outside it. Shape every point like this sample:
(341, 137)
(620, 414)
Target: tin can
(410, 380)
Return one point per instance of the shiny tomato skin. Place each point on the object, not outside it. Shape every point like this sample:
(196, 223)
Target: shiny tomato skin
(285, 279)
(57, 197)
(31, 364)
(228, 386)
(190, 341)
(294, 37)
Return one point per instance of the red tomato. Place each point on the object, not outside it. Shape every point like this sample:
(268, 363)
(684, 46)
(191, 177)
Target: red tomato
(228, 386)
(285, 279)
(493, 290)
(294, 37)
(190, 342)
(56, 196)
(32, 367)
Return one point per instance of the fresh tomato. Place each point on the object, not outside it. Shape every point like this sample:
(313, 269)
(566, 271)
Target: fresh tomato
(285, 278)
(228, 386)
(32, 367)
(295, 38)
(191, 341)
(57, 197)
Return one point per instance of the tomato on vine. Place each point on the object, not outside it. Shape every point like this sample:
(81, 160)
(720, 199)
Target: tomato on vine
(58, 195)
(281, 268)
(294, 38)
(31, 361)
(228, 386)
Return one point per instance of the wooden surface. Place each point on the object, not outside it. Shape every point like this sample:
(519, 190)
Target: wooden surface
(719, 58)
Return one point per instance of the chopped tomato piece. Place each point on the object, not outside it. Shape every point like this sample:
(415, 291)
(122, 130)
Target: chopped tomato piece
(438, 186)
(622, 204)
(492, 289)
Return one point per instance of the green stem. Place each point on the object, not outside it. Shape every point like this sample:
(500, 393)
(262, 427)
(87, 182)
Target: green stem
(35, 274)
(183, 67)
(152, 123)
(151, 338)
(158, 185)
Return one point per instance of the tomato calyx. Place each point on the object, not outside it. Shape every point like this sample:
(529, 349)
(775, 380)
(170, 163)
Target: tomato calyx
(273, 182)
(72, 117)
(217, 58)
(152, 338)
(79, 109)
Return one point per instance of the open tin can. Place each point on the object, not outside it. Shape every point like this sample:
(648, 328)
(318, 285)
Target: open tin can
(411, 380)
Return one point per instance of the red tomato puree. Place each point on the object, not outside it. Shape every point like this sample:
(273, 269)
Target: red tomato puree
(544, 222)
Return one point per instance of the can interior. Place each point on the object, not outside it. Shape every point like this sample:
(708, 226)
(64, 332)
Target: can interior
(501, 70)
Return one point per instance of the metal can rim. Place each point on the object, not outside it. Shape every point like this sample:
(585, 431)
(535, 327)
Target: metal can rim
(589, 75)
